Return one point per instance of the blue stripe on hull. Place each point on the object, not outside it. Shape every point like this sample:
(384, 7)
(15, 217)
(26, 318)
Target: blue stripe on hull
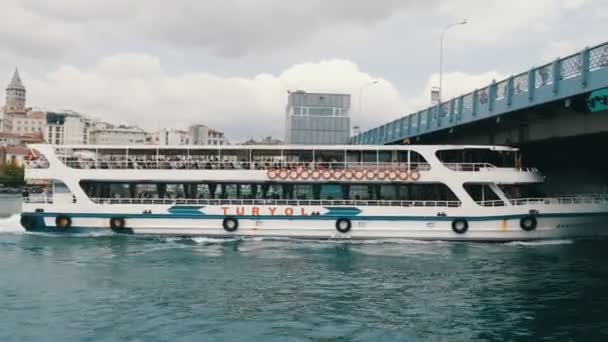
(312, 217)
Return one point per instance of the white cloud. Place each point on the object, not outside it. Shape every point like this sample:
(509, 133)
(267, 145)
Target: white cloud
(226, 28)
(136, 89)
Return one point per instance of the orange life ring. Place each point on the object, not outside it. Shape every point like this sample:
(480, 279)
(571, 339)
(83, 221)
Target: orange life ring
(293, 174)
(370, 174)
(304, 174)
(272, 173)
(338, 174)
(392, 175)
(315, 174)
(348, 174)
(381, 174)
(283, 174)
(359, 175)
(327, 174)
(415, 175)
(403, 175)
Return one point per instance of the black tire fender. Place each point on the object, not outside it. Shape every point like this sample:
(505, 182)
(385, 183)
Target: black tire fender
(460, 226)
(343, 225)
(26, 221)
(117, 223)
(528, 223)
(230, 224)
(63, 221)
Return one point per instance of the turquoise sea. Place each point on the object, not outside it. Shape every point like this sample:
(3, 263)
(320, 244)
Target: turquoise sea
(125, 288)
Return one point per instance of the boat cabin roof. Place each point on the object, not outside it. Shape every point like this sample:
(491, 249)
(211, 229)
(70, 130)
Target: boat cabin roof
(428, 148)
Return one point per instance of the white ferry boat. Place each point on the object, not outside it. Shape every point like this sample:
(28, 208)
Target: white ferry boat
(479, 193)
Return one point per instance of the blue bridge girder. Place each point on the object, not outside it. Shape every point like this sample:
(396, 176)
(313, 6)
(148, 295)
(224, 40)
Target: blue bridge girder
(576, 74)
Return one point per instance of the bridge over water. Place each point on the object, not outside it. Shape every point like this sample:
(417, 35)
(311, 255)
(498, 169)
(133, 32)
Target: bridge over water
(556, 113)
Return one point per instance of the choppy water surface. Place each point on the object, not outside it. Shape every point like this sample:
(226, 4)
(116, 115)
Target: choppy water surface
(146, 289)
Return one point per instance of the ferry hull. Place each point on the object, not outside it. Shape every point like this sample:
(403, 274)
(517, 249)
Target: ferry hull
(507, 228)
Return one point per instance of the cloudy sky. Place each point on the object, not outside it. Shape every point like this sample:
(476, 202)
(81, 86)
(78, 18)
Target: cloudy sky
(229, 63)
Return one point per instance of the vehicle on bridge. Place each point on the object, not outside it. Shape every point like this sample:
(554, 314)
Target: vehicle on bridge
(473, 193)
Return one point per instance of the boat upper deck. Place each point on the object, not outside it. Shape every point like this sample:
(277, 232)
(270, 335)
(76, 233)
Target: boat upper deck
(456, 157)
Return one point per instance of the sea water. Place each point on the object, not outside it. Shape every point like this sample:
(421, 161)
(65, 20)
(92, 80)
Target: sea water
(107, 288)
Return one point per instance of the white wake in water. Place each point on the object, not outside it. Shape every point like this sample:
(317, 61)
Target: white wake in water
(11, 224)
(540, 243)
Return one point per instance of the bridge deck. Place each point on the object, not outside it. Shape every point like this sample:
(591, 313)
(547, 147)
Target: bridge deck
(576, 74)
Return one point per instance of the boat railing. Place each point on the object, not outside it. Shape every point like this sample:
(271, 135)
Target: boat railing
(38, 199)
(476, 167)
(290, 202)
(492, 203)
(590, 199)
(238, 165)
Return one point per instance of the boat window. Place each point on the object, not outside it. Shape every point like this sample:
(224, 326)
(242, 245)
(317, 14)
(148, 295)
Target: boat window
(266, 159)
(333, 158)
(483, 194)
(286, 191)
(515, 191)
(385, 156)
(35, 160)
(235, 158)
(298, 157)
(478, 156)
(353, 157)
(370, 156)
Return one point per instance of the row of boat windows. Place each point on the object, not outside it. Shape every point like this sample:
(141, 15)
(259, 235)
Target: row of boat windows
(325, 191)
(479, 156)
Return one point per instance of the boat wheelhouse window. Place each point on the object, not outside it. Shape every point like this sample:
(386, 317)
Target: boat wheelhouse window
(36, 160)
(483, 194)
(514, 191)
(497, 158)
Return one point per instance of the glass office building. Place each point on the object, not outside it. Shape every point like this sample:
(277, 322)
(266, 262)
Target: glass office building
(317, 119)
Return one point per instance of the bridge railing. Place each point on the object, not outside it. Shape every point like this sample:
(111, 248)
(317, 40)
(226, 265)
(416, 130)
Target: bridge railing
(493, 99)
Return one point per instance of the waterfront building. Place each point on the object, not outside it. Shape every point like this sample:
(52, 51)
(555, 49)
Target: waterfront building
(64, 128)
(317, 118)
(203, 135)
(167, 137)
(33, 121)
(16, 155)
(264, 141)
(10, 139)
(120, 135)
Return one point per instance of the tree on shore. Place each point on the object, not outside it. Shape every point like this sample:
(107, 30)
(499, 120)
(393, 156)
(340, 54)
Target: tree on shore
(12, 174)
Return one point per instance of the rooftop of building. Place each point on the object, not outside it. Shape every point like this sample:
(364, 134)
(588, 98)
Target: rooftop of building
(303, 92)
(16, 81)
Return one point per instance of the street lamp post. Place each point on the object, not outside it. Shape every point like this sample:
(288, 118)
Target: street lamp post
(369, 84)
(441, 55)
